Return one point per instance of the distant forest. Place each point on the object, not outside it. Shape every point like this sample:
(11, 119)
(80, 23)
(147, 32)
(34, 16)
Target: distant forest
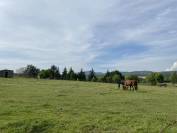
(115, 76)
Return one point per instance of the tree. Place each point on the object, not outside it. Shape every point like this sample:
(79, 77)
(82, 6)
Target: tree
(132, 77)
(94, 79)
(81, 76)
(31, 71)
(71, 75)
(44, 74)
(54, 72)
(116, 78)
(159, 78)
(112, 77)
(92, 76)
(173, 78)
(65, 74)
(107, 77)
(152, 79)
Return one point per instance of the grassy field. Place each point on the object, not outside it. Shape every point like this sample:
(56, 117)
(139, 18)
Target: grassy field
(42, 106)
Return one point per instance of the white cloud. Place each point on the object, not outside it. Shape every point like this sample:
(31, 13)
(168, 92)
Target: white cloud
(77, 33)
(173, 67)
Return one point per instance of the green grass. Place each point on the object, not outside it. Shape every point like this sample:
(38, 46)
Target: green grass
(43, 106)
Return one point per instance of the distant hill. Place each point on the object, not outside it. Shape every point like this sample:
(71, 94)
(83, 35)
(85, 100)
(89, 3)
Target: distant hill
(138, 73)
(97, 73)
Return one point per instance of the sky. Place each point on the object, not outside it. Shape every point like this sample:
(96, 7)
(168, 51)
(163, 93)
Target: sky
(126, 35)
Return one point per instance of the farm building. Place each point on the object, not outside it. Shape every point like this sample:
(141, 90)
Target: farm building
(6, 73)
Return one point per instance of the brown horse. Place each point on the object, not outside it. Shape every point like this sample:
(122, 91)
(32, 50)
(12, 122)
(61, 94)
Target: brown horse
(132, 84)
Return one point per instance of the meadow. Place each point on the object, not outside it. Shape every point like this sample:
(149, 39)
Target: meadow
(54, 106)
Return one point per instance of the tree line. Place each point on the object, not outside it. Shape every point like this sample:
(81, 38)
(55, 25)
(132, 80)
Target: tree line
(54, 73)
(109, 77)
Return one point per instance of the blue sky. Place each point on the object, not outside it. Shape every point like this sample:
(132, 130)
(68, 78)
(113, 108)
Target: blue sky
(117, 34)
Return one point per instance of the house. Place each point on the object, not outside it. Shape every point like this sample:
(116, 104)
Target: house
(7, 73)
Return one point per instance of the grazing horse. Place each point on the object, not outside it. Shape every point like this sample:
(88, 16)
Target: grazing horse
(132, 84)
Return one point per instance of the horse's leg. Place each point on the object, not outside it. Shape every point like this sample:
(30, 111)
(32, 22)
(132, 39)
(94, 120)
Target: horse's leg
(133, 88)
(124, 87)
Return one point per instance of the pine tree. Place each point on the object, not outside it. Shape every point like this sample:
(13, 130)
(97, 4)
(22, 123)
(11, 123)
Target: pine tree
(65, 74)
(58, 75)
(81, 76)
(106, 77)
(92, 76)
(54, 72)
(71, 75)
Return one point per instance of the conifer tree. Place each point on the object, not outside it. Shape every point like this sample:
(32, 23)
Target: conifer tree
(81, 76)
(65, 74)
(71, 75)
(54, 72)
(92, 76)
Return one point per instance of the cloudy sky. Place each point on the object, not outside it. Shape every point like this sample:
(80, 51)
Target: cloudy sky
(126, 35)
